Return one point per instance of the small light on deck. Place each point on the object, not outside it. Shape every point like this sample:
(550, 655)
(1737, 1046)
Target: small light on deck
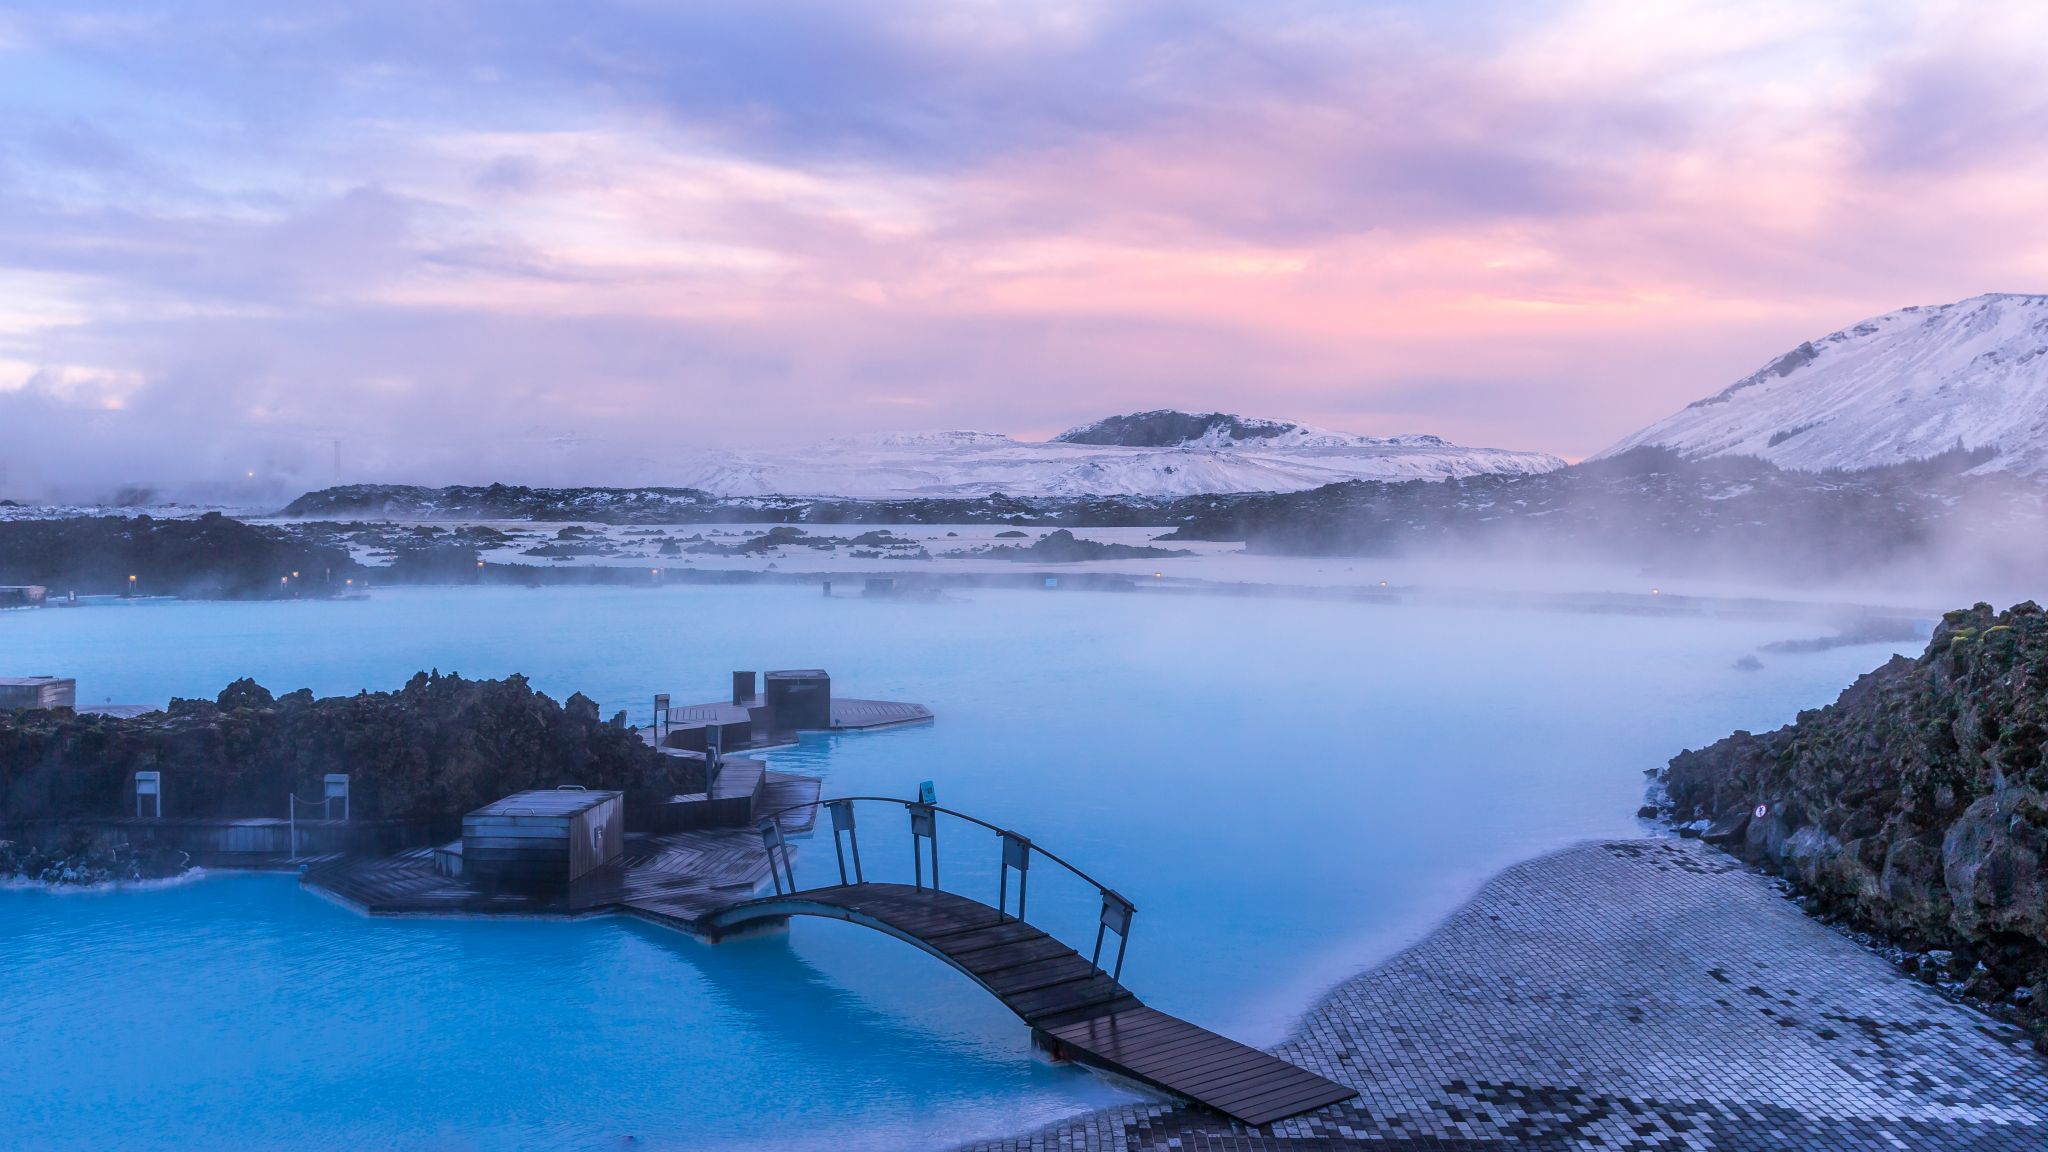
(1656, 591)
(295, 575)
(251, 475)
(1159, 575)
(1383, 583)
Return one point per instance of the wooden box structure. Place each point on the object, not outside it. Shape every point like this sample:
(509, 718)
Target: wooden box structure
(799, 699)
(24, 692)
(543, 838)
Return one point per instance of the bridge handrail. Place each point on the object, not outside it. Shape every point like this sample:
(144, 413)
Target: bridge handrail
(1115, 915)
(959, 815)
(1116, 910)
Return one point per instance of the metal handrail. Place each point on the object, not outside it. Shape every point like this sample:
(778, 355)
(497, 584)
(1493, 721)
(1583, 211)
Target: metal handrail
(1052, 856)
(1115, 915)
(292, 802)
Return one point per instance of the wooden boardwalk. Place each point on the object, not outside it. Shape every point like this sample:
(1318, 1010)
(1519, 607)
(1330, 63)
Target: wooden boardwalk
(848, 714)
(673, 879)
(1076, 1010)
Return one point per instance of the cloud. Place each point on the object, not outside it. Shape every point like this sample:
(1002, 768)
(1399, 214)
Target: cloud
(479, 241)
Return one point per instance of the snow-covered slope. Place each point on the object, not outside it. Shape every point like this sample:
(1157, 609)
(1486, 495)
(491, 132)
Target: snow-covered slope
(1146, 454)
(1897, 388)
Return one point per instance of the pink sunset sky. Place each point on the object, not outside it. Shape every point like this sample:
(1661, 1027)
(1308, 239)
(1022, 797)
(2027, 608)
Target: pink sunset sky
(572, 243)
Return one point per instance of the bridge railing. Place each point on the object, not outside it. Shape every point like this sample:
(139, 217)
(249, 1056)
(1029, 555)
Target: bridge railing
(1016, 854)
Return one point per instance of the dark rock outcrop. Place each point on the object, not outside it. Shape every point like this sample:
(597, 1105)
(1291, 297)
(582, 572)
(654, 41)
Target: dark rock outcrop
(1167, 427)
(1916, 805)
(84, 861)
(1063, 547)
(430, 751)
(211, 555)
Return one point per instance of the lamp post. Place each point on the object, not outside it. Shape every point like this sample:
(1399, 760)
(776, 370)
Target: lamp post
(131, 587)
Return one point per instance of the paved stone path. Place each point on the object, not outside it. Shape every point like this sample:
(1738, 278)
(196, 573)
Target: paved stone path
(1643, 994)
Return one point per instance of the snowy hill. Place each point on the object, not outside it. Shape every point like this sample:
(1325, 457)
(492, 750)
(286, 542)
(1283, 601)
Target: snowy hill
(1161, 453)
(1901, 387)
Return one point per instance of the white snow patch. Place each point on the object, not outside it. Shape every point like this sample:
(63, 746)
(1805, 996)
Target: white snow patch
(1891, 390)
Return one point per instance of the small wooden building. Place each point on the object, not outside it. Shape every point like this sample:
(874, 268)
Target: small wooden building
(543, 838)
(38, 692)
(799, 699)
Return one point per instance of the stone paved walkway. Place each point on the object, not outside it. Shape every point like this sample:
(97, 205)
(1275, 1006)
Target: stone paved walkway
(1642, 994)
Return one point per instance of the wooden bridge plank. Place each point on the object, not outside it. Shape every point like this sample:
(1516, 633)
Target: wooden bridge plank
(1239, 1079)
(984, 961)
(1215, 1071)
(1064, 998)
(1303, 1093)
(990, 937)
(1015, 981)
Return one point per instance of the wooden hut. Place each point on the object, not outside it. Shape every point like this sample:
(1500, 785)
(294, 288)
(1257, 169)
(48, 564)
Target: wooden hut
(543, 838)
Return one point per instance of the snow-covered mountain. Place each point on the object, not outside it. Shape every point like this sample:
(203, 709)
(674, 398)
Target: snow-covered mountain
(1894, 389)
(1162, 453)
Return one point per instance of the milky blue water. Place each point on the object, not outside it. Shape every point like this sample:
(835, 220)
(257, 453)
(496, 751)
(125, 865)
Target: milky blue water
(1286, 788)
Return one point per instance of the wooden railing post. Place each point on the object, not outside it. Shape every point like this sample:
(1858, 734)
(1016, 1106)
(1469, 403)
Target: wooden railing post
(842, 821)
(924, 823)
(771, 839)
(1116, 917)
(1016, 854)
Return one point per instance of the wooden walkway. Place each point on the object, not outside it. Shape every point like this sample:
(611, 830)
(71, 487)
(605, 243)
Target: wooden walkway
(848, 714)
(673, 879)
(1076, 1010)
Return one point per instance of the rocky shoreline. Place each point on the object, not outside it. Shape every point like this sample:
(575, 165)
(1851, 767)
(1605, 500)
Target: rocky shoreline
(1912, 812)
(82, 862)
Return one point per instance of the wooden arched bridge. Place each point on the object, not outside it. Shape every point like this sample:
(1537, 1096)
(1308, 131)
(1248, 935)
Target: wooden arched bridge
(1076, 1005)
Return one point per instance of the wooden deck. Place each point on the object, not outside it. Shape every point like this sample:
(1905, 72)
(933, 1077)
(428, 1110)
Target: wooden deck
(848, 715)
(1076, 1010)
(675, 878)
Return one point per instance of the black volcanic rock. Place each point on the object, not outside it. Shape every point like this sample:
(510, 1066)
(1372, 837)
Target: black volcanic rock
(501, 502)
(1063, 547)
(432, 750)
(211, 555)
(1166, 427)
(1916, 804)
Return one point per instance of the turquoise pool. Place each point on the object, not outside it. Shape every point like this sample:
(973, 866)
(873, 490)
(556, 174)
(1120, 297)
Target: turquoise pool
(1287, 789)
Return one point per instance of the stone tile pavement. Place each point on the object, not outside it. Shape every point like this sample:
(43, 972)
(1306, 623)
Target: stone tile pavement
(1642, 994)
